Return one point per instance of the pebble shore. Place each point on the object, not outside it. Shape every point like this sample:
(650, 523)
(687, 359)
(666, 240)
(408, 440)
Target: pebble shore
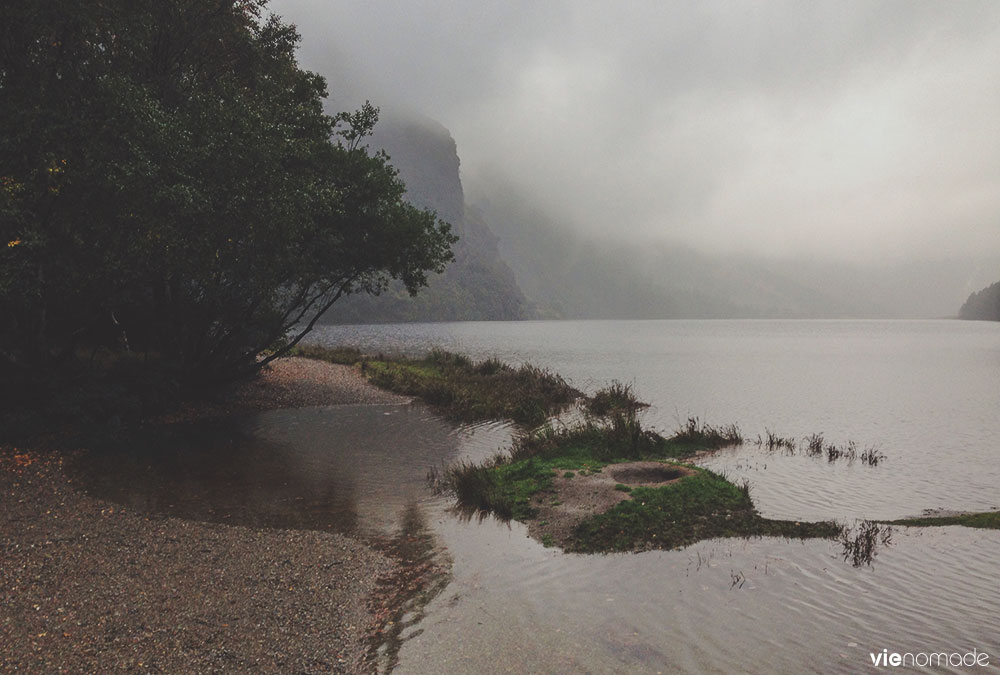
(86, 586)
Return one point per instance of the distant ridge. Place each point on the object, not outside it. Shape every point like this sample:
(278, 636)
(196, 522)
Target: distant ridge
(982, 305)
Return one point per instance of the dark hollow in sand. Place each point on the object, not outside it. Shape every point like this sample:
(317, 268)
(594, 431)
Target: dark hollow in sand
(645, 474)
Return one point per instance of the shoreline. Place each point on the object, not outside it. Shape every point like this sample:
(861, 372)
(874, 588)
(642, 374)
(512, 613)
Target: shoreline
(88, 586)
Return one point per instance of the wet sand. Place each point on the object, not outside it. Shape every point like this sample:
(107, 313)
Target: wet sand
(86, 586)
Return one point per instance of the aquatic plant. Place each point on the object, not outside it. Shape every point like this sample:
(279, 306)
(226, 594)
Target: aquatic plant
(696, 432)
(474, 487)
(861, 544)
(616, 397)
(775, 442)
(872, 456)
(814, 445)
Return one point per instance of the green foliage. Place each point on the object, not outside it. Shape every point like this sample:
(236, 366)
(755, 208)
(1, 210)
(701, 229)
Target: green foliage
(698, 506)
(478, 285)
(466, 390)
(170, 185)
(676, 515)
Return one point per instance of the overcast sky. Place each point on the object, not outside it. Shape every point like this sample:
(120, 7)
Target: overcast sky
(854, 130)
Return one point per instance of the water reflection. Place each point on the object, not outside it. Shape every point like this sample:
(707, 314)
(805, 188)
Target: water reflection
(403, 599)
(511, 604)
(343, 468)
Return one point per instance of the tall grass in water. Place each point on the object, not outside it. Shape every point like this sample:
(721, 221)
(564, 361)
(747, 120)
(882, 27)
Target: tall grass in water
(696, 432)
(872, 456)
(616, 397)
(473, 486)
(814, 445)
(861, 544)
(773, 441)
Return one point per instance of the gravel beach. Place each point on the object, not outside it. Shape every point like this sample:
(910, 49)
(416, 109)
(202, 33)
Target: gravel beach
(86, 586)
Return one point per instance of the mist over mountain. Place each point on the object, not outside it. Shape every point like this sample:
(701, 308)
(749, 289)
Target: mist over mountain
(703, 158)
(478, 285)
(517, 260)
(571, 275)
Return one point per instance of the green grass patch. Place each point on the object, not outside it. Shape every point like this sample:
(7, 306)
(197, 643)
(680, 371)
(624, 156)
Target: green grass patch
(700, 506)
(463, 389)
(986, 519)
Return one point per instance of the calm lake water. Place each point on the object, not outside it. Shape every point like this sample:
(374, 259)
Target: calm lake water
(926, 393)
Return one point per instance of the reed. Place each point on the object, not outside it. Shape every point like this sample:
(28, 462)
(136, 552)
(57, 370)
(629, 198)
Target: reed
(696, 432)
(861, 543)
(615, 397)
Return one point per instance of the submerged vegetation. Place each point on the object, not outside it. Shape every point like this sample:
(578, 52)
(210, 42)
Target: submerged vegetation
(814, 445)
(861, 544)
(705, 436)
(984, 519)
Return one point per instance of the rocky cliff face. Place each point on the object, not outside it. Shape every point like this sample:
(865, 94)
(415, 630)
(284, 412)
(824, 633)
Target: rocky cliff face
(478, 285)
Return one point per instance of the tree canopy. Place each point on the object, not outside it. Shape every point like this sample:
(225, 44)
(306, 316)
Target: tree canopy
(170, 185)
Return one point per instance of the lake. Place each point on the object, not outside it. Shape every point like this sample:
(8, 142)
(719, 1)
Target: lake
(925, 393)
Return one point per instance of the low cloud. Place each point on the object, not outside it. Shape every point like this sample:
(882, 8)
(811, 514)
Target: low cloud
(846, 130)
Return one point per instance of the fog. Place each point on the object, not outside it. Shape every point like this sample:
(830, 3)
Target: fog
(856, 132)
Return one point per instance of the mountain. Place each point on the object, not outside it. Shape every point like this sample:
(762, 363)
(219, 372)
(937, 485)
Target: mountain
(567, 273)
(478, 285)
(517, 261)
(983, 305)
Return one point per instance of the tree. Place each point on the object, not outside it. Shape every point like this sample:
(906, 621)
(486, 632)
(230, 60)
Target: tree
(170, 184)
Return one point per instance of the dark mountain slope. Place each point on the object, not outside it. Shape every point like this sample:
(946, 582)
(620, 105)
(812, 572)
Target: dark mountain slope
(478, 285)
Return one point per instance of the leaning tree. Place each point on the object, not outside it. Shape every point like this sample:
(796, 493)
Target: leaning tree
(170, 185)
